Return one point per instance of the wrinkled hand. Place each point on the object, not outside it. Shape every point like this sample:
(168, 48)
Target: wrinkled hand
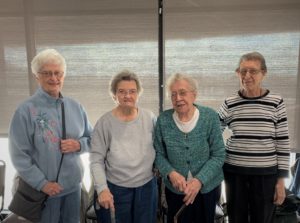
(192, 189)
(279, 195)
(178, 181)
(106, 199)
(69, 145)
(52, 188)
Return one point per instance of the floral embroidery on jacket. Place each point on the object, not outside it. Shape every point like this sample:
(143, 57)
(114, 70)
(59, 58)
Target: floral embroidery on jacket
(45, 127)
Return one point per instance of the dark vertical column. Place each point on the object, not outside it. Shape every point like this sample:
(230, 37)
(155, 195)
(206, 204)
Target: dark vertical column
(161, 65)
(29, 41)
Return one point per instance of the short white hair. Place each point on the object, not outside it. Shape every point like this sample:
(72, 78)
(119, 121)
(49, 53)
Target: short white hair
(48, 56)
(178, 77)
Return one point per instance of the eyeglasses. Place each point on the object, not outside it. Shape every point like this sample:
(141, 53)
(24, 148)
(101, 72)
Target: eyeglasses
(251, 71)
(124, 92)
(181, 93)
(49, 73)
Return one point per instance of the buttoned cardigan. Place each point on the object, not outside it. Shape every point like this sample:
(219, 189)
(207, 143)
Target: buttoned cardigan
(200, 151)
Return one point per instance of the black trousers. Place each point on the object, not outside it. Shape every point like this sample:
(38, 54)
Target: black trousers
(250, 198)
(201, 211)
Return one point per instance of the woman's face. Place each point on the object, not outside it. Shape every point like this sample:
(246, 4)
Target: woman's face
(251, 75)
(51, 78)
(126, 94)
(182, 97)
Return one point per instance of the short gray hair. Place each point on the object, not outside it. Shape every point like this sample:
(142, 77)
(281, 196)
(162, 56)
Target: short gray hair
(253, 56)
(178, 77)
(124, 75)
(48, 56)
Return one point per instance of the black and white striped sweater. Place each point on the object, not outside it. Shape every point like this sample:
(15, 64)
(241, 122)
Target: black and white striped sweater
(259, 143)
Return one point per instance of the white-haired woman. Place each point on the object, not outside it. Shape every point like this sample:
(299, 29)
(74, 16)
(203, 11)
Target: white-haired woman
(36, 145)
(122, 156)
(189, 153)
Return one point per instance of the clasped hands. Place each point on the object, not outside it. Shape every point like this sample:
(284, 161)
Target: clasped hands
(189, 187)
(52, 188)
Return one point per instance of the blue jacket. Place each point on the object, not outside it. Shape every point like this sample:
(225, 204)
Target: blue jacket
(34, 140)
(201, 151)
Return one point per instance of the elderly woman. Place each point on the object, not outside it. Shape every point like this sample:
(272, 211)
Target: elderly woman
(257, 157)
(122, 156)
(189, 153)
(36, 145)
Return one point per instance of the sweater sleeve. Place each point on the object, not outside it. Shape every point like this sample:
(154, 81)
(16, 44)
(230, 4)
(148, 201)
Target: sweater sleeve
(282, 141)
(85, 139)
(161, 160)
(214, 164)
(223, 113)
(99, 147)
(21, 148)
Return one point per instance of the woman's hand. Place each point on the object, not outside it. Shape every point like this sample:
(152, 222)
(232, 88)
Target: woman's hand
(279, 195)
(106, 199)
(69, 145)
(192, 189)
(178, 181)
(52, 188)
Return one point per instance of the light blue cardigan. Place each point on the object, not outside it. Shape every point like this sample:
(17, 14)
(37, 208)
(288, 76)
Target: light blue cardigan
(201, 151)
(34, 140)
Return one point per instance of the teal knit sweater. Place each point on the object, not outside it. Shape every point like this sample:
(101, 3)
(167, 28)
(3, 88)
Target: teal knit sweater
(201, 151)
